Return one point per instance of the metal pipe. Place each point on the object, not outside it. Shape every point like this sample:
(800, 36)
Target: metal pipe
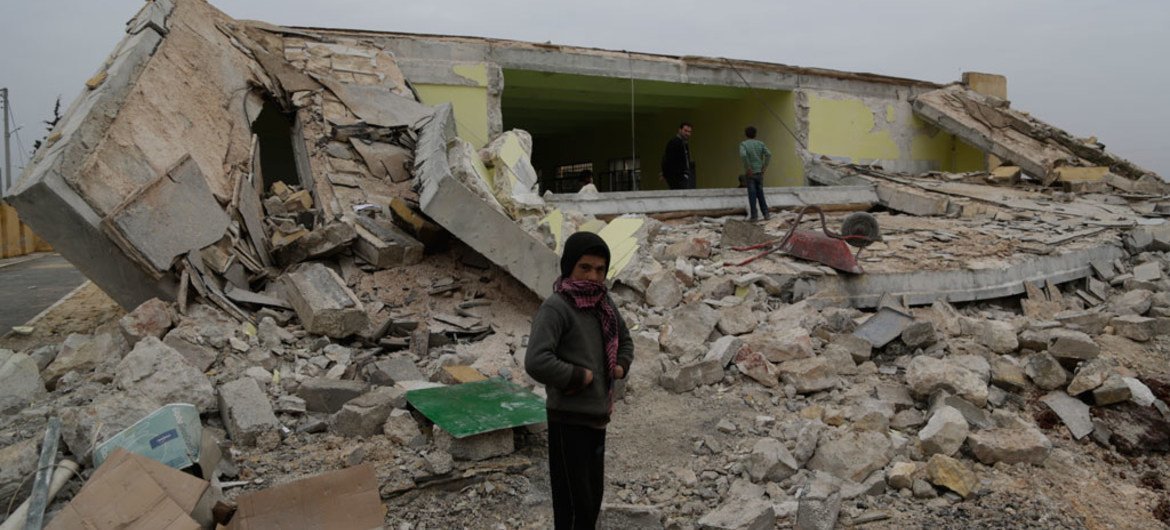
(7, 146)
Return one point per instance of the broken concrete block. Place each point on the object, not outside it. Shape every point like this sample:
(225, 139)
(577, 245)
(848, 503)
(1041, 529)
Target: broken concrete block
(738, 233)
(1045, 371)
(820, 505)
(1135, 327)
(385, 160)
(633, 516)
(183, 341)
(1071, 344)
(1007, 374)
(926, 375)
(724, 350)
(692, 247)
(912, 202)
(920, 334)
(1148, 272)
(322, 241)
(851, 455)
(86, 427)
(329, 395)
(1135, 302)
(664, 291)
(388, 372)
(857, 348)
(1010, 446)
(944, 433)
(477, 446)
(151, 319)
(157, 371)
(809, 375)
(770, 461)
(401, 429)
(779, 344)
(737, 320)
(884, 326)
(384, 245)
(18, 461)
(83, 353)
(1073, 412)
(684, 378)
(1113, 390)
(1080, 174)
(752, 514)
(952, 474)
(754, 365)
(1090, 375)
(900, 475)
(366, 415)
(687, 328)
(247, 414)
(20, 382)
(325, 305)
(998, 336)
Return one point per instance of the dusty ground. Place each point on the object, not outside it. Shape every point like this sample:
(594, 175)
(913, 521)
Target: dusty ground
(84, 311)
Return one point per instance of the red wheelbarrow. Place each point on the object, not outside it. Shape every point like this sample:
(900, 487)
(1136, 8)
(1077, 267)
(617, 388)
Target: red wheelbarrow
(826, 247)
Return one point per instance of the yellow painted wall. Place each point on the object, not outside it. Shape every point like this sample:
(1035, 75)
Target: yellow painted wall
(718, 127)
(16, 238)
(470, 103)
(846, 127)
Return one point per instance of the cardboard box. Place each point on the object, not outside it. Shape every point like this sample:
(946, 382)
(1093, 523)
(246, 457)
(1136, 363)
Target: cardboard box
(173, 435)
(134, 492)
(339, 500)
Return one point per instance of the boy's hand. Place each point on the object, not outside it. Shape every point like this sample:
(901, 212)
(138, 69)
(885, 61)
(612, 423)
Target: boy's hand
(619, 372)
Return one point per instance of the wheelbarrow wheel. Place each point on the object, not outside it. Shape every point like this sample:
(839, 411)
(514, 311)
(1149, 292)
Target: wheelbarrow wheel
(860, 230)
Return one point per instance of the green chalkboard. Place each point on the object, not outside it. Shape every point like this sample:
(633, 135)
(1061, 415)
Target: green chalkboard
(479, 407)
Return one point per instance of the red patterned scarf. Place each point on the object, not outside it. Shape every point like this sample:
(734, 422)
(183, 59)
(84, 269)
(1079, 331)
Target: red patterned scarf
(591, 296)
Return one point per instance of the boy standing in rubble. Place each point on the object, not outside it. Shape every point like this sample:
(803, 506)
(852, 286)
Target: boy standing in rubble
(578, 348)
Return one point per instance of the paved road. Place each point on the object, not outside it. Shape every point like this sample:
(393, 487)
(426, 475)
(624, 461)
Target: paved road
(29, 287)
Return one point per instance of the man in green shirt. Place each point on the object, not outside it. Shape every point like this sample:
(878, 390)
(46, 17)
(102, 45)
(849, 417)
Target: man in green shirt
(755, 157)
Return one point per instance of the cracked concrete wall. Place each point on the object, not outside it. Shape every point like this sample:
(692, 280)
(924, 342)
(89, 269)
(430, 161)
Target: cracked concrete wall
(865, 129)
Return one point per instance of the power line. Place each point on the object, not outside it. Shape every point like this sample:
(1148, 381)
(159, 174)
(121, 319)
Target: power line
(765, 103)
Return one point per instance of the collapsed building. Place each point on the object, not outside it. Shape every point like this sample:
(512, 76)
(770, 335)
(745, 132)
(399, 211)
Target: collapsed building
(266, 173)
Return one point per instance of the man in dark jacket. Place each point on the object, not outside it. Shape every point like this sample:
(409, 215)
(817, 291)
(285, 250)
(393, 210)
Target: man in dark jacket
(677, 167)
(578, 347)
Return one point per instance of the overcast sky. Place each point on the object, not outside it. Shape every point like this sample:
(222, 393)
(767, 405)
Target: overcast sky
(1091, 67)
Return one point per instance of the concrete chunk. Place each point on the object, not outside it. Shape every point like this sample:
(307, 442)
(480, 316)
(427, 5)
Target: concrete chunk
(366, 415)
(809, 375)
(1045, 371)
(952, 474)
(754, 365)
(779, 344)
(83, 353)
(631, 516)
(1135, 327)
(1070, 344)
(401, 429)
(724, 350)
(944, 433)
(151, 319)
(771, 461)
(753, 514)
(852, 455)
(1010, 446)
(20, 381)
(388, 372)
(1113, 390)
(476, 447)
(384, 245)
(247, 414)
(685, 378)
(1073, 412)
(912, 202)
(329, 395)
(85, 427)
(159, 372)
(686, 331)
(323, 302)
(926, 375)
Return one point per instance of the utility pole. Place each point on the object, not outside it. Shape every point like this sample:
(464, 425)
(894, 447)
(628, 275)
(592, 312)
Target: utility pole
(7, 147)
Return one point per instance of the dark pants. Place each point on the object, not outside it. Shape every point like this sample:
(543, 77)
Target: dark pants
(755, 187)
(680, 182)
(576, 464)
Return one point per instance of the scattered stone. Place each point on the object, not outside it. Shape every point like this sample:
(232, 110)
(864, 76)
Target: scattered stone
(1073, 412)
(923, 490)
(665, 291)
(820, 505)
(977, 417)
(329, 395)
(20, 382)
(401, 429)
(901, 475)
(944, 433)
(737, 320)
(290, 404)
(907, 419)
(851, 455)
(1045, 371)
(1090, 375)
(83, 353)
(1010, 446)
(184, 341)
(687, 328)
(632, 516)
(692, 247)
(807, 440)
(17, 461)
(1071, 344)
(1139, 392)
(997, 336)
(366, 415)
(150, 319)
(684, 378)
(770, 461)
(247, 414)
(1092, 322)
(44, 355)
(738, 233)
(725, 350)
(157, 371)
(1113, 390)
(1135, 302)
(952, 474)
(920, 334)
(1135, 327)
(783, 344)
(388, 372)
(1148, 272)
(857, 348)
(926, 375)
(477, 446)
(325, 305)
(809, 375)
(754, 514)
(1007, 374)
